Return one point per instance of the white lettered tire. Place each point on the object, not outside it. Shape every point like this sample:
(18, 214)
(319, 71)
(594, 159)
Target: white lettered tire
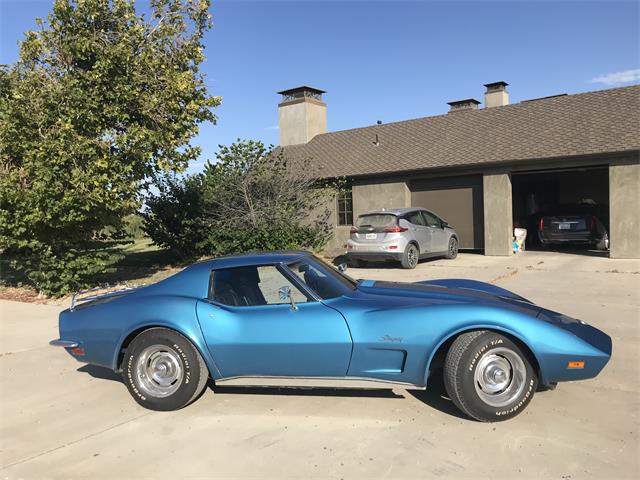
(488, 376)
(163, 370)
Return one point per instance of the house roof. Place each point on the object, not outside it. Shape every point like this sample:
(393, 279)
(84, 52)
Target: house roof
(604, 121)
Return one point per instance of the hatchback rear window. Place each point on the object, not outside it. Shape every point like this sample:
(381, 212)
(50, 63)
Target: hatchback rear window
(376, 220)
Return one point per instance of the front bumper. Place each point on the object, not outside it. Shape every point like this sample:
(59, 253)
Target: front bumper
(584, 344)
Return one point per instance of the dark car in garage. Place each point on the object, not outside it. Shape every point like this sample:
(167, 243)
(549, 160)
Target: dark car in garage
(574, 225)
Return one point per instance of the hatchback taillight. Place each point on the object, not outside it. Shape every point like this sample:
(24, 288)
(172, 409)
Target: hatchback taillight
(395, 229)
(592, 223)
(353, 230)
(541, 223)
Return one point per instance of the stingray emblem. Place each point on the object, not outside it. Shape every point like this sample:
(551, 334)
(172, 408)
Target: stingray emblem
(387, 338)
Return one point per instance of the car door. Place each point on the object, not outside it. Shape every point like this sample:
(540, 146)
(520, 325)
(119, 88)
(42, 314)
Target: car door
(250, 331)
(439, 236)
(420, 231)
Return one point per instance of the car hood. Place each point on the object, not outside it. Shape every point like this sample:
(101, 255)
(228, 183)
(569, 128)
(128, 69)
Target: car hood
(448, 291)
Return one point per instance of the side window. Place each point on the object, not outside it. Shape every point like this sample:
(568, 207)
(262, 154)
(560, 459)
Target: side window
(431, 219)
(345, 207)
(251, 286)
(416, 219)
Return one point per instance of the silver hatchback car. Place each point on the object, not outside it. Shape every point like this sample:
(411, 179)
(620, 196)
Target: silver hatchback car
(402, 234)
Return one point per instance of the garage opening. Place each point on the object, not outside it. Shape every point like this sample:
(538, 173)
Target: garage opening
(458, 200)
(564, 210)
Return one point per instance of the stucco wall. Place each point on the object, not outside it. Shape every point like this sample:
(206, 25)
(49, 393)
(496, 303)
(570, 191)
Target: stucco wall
(374, 196)
(299, 121)
(624, 205)
(498, 214)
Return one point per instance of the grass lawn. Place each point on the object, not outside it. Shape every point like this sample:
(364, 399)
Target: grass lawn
(143, 263)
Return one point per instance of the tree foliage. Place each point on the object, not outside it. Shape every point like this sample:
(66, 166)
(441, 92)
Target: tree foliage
(101, 100)
(174, 217)
(251, 198)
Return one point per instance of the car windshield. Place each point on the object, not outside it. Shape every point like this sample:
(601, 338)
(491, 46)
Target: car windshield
(322, 278)
(376, 220)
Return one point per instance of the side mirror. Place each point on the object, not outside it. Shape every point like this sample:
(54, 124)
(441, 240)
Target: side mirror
(342, 267)
(285, 294)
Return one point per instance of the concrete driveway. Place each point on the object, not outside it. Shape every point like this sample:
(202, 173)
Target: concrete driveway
(60, 419)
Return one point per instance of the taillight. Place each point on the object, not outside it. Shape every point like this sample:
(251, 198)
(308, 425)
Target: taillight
(592, 223)
(541, 223)
(395, 229)
(353, 230)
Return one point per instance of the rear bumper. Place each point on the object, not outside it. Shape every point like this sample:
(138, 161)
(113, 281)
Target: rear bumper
(585, 238)
(374, 256)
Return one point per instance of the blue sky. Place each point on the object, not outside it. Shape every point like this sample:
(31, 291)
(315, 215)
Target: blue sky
(391, 61)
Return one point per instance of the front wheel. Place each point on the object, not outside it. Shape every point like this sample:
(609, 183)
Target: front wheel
(452, 251)
(163, 370)
(488, 376)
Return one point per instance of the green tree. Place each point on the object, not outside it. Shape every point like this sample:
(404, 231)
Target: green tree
(174, 217)
(251, 198)
(101, 100)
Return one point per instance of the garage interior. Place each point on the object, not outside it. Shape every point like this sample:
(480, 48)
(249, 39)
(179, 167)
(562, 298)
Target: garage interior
(537, 192)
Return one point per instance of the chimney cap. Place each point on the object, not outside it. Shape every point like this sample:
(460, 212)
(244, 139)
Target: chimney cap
(461, 103)
(301, 89)
(496, 85)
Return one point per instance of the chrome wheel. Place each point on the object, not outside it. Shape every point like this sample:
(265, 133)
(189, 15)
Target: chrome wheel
(159, 371)
(500, 377)
(412, 256)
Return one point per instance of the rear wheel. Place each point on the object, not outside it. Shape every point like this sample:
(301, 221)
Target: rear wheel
(163, 370)
(488, 376)
(603, 244)
(410, 257)
(452, 251)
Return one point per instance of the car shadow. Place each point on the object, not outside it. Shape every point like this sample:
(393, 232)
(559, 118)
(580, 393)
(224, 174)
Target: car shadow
(102, 373)
(436, 397)
(569, 249)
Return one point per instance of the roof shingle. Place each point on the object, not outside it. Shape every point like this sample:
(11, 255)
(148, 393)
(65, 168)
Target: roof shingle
(605, 121)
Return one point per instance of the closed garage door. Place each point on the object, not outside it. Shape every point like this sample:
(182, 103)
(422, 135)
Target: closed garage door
(458, 200)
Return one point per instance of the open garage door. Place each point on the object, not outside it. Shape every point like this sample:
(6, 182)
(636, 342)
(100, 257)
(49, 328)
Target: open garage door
(564, 209)
(458, 200)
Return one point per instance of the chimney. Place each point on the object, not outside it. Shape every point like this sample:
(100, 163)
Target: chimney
(301, 115)
(496, 95)
(463, 105)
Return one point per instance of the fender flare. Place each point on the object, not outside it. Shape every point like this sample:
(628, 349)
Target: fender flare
(198, 344)
(485, 326)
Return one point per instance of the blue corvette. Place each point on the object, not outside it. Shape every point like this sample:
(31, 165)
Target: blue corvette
(289, 319)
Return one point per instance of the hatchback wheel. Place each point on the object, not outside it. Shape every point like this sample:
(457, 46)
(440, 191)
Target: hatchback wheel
(452, 251)
(410, 257)
(603, 244)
